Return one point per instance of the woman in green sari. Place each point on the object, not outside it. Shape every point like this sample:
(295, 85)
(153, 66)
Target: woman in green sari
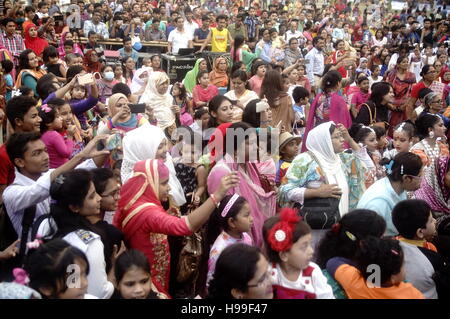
(241, 52)
(190, 80)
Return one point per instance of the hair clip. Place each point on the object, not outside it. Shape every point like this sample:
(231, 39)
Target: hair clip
(21, 276)
(388, 167)
(350, 236)
(394, 252)
(34, 244)
(336, 228)
(401, 170)
(400, 128)
(230, 204)
(46, 108)
(60, 179)
(280, 235)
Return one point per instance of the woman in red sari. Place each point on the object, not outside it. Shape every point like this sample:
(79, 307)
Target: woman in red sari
(146, 225)
(338, 55)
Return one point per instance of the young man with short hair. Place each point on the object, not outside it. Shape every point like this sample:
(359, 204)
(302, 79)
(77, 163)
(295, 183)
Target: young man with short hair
(11, 41)
(128, 51)
(219, 37)
(179, 38)
(201, 34)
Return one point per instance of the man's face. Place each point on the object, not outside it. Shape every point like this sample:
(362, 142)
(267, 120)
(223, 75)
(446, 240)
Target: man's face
(31, 121)
(35, 158)
(155, 26)
(10, 28)
(96, 17)
(264, 15)
(222, 23)
(189, 16)
(301, 16)
(93, 38)
(427, 24)
(136, 8)
(274, 17)
(180, 23)
(239, 22)
(320, 44)
(30, 15)
(206, 23)
(294, 26)
(252, 12)
(127, 45)
(156, 15)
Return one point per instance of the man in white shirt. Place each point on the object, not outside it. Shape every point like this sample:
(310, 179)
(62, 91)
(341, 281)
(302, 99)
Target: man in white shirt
(96, 26)
(179, 38)
(315, 62)
(31, 185)
(189, 25)
(293, 32)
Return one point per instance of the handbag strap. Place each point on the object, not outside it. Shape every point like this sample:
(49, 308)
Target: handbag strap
(135, 212)
(371, 119)
(318, 163)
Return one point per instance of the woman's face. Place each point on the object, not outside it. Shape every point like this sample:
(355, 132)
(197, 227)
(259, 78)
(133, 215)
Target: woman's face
(222, 65)
(384, 52)
(224, 113)
(161, 152)
(364, 64)
(164, 190)
(238, 85)
(301, 71)
(203, 66)
(402, 142)
(436, 104)
(439, 129)
(431, 74)
(204, 80)
(33, 60)
(293, 76)
(379, 34)
(69, 36)
(129, 64)
(121, 106)
(163, 87)
(107, 69)
(437, 66)
(338, 141)
(388, 98)
(110, 196)
(156, 62)
(94, 57)
(135, 284)
(91, 203)
(118, 72)
(324, 34)
(341, 46)
(266, 117)
(65, 112)
(259, 287)
(33, 32)
(447, 76)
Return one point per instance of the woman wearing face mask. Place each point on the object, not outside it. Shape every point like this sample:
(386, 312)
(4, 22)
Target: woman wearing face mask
(105, 85)
(33, 41)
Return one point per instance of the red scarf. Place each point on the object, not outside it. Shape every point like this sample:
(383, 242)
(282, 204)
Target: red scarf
(36, 44)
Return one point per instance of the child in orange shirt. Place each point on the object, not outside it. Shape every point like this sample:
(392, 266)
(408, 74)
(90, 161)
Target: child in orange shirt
(378, 274)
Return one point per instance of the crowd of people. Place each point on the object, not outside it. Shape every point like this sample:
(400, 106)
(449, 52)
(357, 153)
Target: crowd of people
(307, 145)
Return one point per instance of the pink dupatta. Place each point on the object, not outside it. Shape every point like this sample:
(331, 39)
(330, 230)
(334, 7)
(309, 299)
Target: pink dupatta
(262, 204)
(339, 114)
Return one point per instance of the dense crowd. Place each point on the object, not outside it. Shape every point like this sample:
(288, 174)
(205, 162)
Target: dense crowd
(303, 156)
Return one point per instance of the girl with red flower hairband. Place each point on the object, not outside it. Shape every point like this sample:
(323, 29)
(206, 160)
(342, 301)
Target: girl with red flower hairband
(293, 274)
(233, 220)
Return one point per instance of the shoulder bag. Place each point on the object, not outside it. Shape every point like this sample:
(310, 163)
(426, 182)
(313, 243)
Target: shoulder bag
(373, 118)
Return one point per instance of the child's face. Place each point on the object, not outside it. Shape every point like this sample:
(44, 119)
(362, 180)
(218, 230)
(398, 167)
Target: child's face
(68, 49)
(79, 92)
(204, 80)
(57, 123)
(77, 293)
(364, 86)
(300, 254)
(261, 70)
(371, 142)
(65, 112)
(401, 141)
(188, 153)
(290, 150)
(175, 91)
(382, 142)
(135, 284)
(53, 60)
(376, 72)
(204, 120)
(127, 45)
(243, 221)
(429, 231)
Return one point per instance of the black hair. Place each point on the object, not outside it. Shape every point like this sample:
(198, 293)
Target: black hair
(299, 93)
(47, 117)
(425, 69)
(29, 9)
(221, 17)
(100, 177)
(386, 253)
(56, 102)
(256, 65)
(423, 92)
(408, 127)
(359, 132)
(238, 42)
(301, 229)
(121, 88)
(379, 90)
(48, 266)
(200, 112)
(68, 43)
(23, 59)
(7, 20)
(235, 267)
(72, 71)
(129, 259)
(424, 122)
(182, 88)
(91, 33)
(250, 115)
(242, 75)
(410, 215)
(337, 43)
(236, 139)
(360, 79)
(379, 131)
(330, 80)
(7, 65)
(25, 90)
(126, 39)
(45, 85)
(18, 107)
(218, 223)
(16, 146)
(199, 75)
(49, 52)
(213, 106)
(317, 39)
(70, 190)
(360, 223)
(405, 163)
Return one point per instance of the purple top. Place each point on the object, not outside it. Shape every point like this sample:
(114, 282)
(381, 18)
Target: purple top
(81, 106)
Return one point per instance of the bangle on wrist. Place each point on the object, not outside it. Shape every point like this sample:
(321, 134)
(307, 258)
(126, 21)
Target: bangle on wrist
(213, 198)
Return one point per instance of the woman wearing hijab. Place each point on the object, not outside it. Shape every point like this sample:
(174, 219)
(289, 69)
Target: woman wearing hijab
(146, 225)
(218, 76)
(190, 80)
(91, 62)
(435, 186)
(157, 97)
(262, 203)
(140, 79)
(325, 171)
(33, 41)
(149, 142)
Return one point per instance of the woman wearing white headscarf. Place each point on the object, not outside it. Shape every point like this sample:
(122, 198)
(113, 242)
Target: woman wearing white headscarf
(140, 80)
(326, 161)
(157, 97)
(149, 142)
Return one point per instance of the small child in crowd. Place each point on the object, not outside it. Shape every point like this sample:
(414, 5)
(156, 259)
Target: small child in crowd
(301, 99)
(289, 147)
(361, 96)
(403, 140)
(52, 63)
(7, 67)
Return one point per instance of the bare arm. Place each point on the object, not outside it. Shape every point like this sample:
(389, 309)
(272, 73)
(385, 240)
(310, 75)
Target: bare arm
(208, 39)
(410, 107)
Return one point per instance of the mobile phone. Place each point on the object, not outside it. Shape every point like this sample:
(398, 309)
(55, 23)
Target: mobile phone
(86, 79)
(101, 145)
(137, 108)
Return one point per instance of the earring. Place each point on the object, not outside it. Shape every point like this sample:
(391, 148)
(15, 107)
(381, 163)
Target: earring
(431, 134)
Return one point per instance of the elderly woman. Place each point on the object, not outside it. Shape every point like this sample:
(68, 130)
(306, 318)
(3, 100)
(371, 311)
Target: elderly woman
(218, 76)
(146, 224)
(326, 171)
(158, 98)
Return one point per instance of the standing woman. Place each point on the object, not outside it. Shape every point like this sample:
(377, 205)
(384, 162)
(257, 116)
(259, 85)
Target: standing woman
(280, 102)
(129, 67)
(338, 55)
(239, 53)
(190, 80)
(328, 105)
(431, 130)
(33, 41)
(218, 76)
(402, 81)
(146, 224)
(30, 72)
